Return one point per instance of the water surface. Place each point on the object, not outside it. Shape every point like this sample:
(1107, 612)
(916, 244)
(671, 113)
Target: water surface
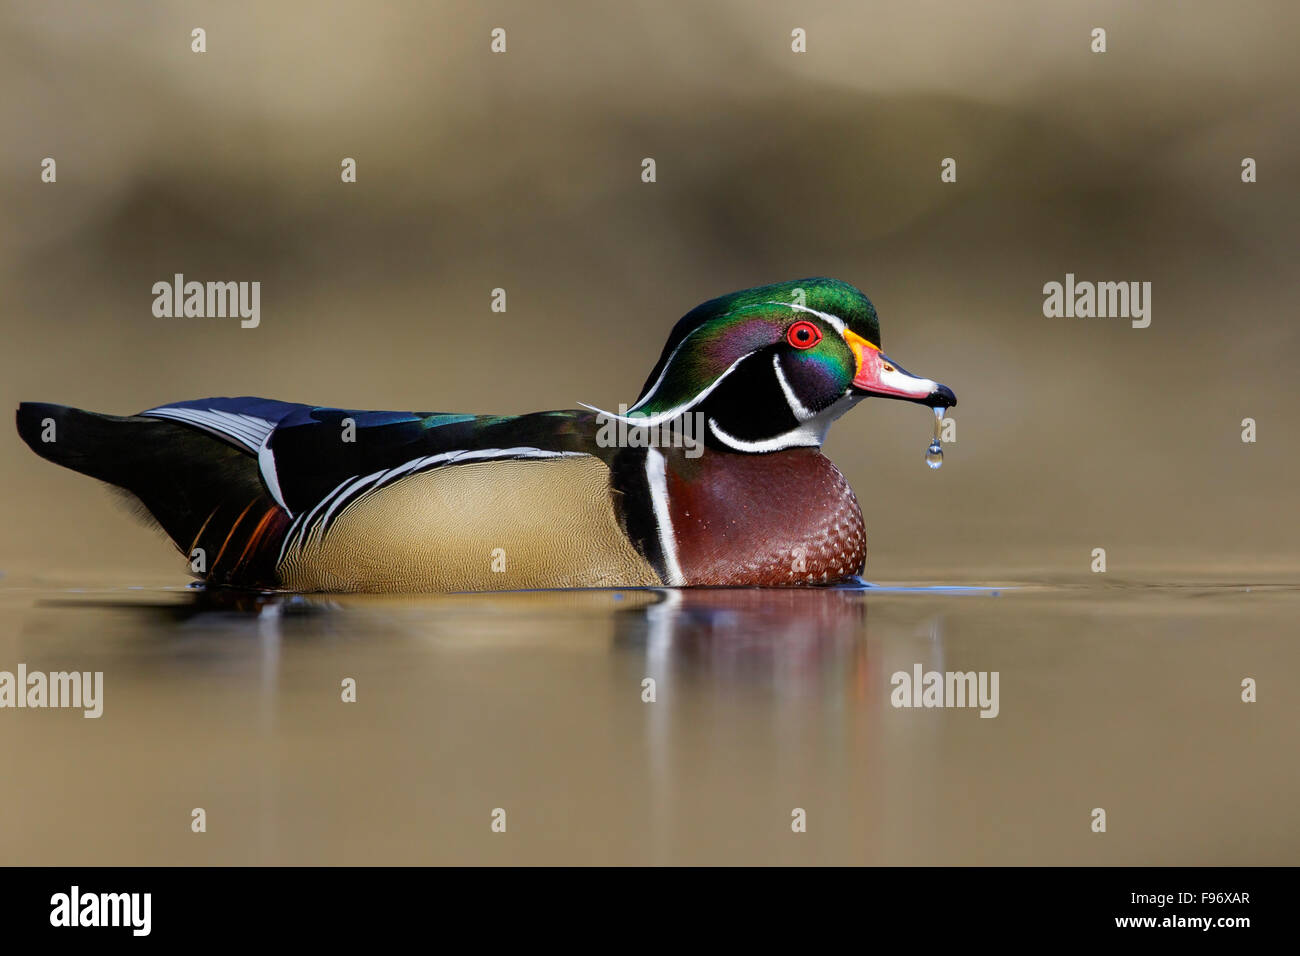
(1122, 696)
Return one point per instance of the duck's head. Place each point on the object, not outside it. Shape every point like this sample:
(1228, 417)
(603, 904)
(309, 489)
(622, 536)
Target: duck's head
(771, 368)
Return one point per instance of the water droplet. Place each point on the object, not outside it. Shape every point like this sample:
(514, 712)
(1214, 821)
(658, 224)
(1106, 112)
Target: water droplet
(934, 454)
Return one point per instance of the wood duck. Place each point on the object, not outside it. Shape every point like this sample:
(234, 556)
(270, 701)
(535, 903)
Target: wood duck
(714, 477)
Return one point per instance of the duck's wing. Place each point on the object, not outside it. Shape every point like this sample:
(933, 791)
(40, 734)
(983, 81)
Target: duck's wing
(325, 457)
(312, 456)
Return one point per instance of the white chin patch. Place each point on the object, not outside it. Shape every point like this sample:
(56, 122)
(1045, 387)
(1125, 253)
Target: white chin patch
(807, 434)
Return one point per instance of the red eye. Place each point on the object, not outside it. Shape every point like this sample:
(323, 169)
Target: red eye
(803, 335)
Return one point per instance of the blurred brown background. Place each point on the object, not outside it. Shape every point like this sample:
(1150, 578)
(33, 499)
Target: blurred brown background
(522, 171)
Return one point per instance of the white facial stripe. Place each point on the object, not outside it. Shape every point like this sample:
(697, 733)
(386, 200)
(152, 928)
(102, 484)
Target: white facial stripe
(657, 479)
(797, 408)
(834, 321)
(648, 421)
(664, 371)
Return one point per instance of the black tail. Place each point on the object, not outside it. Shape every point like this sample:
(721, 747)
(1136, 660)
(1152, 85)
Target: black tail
(205, 493)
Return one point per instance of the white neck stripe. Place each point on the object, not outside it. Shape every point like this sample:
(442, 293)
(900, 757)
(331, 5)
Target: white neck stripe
(657, 479)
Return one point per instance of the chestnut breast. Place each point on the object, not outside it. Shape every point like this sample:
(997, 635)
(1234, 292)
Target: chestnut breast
(779, 519)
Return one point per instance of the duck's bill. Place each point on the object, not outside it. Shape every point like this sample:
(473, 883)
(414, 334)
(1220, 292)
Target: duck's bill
(880, 375)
